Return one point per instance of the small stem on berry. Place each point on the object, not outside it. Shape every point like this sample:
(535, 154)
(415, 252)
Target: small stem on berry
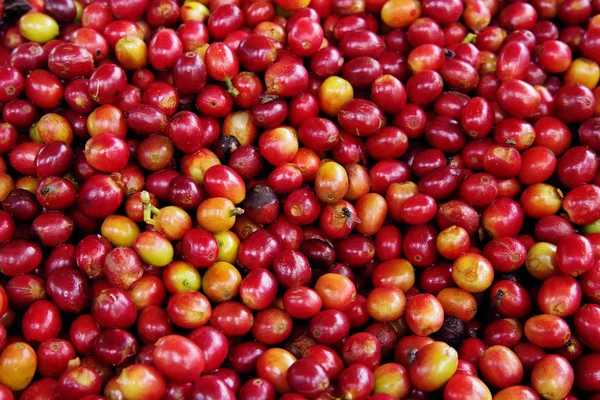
(148, 214)
(230, 89)
(470, 38)
(145, 196)
(236, 211)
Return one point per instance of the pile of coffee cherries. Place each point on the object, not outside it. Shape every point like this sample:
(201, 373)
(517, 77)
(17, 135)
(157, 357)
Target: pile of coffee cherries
(300, 199)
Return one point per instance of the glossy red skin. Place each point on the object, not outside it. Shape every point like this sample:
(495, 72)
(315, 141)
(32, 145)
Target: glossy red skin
(27, 57)
(462, 383)
(22, 157)
(560, 370)
(69, 383)
(214, 346)
(162, 13)
(163, 96)
(256, 52)
(567, 247)
(459, 75)
(200, 248)
(307, 377)
(589, 282)
(586, 369)
(435, 279)
(501, 367)
(91, 253)
(118, 29)
(189, 68)
(189, 309)
(479, 189)
(164, 49)
(107, 153)
(115, 346)
(386, 172)
(547, 331)
(470, 350)
(123, 267)
(477, 118)
(61, 256)
(319, 134)
(291, 268)
(55, 158)
(193, 34)
(389, 142)
(580, 204)
(388, 243)
(258, 250)
(329, 326)
(42, 321)
(7, 226)
(302, 107)
(585, 323)
(8, 137)
(538, 165)
(223, 181)
(513, 60)
(458, 212)
(54, 356)
(356, 381)
(518, 98)
(83, 333)
(232, 318)
(586, 133)
(559, 295)
(505, 253)
(552, 229)
(243, 357)
(440, 182)
(301, 302)
(106, 83)
(424, 87)
(43, 389)
(184, 192)
(114, 308)
(210, 386)
(510, 299)
(145, 120)
(55, 193)
(354, 250)
(257, 388)
(285, 178)
(419, 245)
(19, 257)
(14, 81)
(21, 205)
(362, 72)
(515, 132)
(230, 377)
(43, 89)
(99, 190)
(272, 326)
(494, 219)
(425, 30)
(327, 358)
(258, 289)
(179, 358)
(22, 291)
(529, 354)
(574, 103)
(419, 209)
(68, 61)
(577, 166)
